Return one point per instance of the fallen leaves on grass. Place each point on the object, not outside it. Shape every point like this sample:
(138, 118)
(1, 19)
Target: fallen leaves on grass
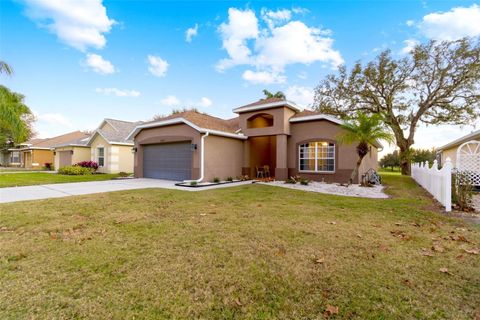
(445, 270)
(330, 310)
(400, 234)
(238, 302)
(319, 260)
(437, 247)
(426, 253)
(332, 222)
(473, 251)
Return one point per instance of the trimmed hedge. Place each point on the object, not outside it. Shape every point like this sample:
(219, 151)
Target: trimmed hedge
(75, 171)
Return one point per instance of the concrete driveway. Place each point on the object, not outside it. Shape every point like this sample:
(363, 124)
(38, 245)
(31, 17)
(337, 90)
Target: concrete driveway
(60, 190)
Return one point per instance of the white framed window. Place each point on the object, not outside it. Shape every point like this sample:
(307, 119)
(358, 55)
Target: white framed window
(15, 157)
(101, 156)
(316, 156)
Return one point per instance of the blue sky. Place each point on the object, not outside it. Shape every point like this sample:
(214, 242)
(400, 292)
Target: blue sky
(80, 61)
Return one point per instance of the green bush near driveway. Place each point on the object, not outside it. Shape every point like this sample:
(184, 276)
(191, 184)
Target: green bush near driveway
(75, 171)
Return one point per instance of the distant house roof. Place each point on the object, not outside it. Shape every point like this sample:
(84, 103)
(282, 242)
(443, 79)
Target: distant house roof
(267, 104)
(199, 121)
(117, 133)
(475, 135)
(53, 142)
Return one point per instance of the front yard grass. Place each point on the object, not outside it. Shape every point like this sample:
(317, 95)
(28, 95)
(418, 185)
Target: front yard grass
(249, 252)
(34, 178)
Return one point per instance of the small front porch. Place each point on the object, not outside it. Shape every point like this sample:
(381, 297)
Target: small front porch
(267, 157)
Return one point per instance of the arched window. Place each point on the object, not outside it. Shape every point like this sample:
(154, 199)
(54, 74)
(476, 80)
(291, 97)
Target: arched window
(260, 120)
(317, 156)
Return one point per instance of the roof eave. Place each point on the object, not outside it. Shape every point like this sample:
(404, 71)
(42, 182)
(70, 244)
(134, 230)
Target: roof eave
(268, 105)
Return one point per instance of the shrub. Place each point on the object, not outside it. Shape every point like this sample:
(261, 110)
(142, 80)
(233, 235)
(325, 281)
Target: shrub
(462, 191)
(193, 183)
(123, 174)
(88, 164)
(75, 171)
(294, 179)
(216, 179)
(230, 179)
(304, 182)
(49, 166)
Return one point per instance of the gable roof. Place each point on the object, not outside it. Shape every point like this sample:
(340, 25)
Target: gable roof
(309, 115)
(53, 142)
(475, 135)
(198, 121)
(117, 134)
(267, 104)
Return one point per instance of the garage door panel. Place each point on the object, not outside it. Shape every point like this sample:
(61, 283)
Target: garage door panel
(170, 161)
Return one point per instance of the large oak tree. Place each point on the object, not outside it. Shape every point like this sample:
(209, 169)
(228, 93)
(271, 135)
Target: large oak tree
(437, 83)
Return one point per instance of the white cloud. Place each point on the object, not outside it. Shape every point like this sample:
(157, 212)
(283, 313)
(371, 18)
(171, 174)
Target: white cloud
(99, 65)
(241, 26)
(273, 18)
(170, 101)
(282, 43)
(78, 23)
(56, 119)
(157, 66)
(410, 23)
(410, 44)
(118, 92)
(204, 102)
(303, 96)
(457, 23)
(263, 77)
(191, 32)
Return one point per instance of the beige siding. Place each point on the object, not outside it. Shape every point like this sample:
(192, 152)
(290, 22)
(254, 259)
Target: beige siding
(79, 154)
(223, 157)
(450, 153)
(117, 157)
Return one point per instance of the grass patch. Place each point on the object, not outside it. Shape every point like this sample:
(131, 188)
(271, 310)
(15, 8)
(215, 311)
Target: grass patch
(255, 252)
(35, 178)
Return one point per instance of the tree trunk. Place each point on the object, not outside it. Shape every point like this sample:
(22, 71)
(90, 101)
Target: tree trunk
(405, 164)
(355, 170)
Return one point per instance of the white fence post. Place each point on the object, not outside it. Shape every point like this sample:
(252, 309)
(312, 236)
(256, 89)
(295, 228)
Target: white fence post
(438, 182)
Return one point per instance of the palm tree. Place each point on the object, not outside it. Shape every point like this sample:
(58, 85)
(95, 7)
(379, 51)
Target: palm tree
(365, 130)
(278, 94)
(5, 68)
(15, 117)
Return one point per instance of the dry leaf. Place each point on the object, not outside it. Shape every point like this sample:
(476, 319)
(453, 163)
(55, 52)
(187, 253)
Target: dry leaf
(238, 302)
(444, 270)
(415, 224)
(473, 251)
(438, 248)
(359, 236)
(384, 248)
(407, 282)
(330, 310)
(203, 214)
(398, 224)
(332, 222)
(400, 234)
(320, 260)
(426, 252)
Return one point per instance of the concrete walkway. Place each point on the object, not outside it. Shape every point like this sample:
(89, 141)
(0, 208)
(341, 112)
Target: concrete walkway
(60, 190)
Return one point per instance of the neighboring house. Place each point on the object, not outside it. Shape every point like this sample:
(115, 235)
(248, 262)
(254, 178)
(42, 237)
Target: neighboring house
(35, 153)
(450, 150)
(110, 148)
(271, 132)
(72, 152)
(464, 154)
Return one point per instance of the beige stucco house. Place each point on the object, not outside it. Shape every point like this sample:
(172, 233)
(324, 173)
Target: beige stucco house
(72, 152)
(36, 153)
(110, 147)
(272, 133)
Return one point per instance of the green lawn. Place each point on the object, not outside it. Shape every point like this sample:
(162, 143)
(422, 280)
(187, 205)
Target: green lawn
(33, 178)
(247, 252)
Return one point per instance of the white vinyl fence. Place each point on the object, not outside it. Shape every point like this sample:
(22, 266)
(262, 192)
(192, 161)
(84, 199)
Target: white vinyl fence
(437, 182)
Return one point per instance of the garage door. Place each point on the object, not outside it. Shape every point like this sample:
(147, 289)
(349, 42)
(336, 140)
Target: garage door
(65, 158)
(170, 161)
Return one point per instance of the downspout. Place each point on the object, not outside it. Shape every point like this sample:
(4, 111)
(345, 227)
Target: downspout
(202, 159)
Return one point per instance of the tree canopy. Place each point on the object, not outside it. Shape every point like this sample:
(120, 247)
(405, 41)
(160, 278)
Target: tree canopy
(278, 94)
(15, 117)
(437, 83)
